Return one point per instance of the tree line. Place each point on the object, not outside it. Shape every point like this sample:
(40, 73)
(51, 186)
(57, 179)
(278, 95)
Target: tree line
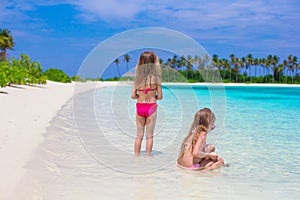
(229, 70)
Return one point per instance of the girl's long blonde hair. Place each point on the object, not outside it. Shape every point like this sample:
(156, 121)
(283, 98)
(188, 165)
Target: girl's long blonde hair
(203, 121)
(148, 70)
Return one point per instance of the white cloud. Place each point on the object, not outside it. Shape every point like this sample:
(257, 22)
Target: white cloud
(178, 13)
(226, 21)
(110, 10)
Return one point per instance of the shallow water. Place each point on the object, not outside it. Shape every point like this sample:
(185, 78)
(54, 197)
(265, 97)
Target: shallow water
(87, 153)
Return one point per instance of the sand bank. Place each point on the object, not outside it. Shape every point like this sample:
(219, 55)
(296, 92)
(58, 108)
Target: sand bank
(25, 113)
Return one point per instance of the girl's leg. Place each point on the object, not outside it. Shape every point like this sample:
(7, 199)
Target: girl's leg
(150, 125)
(219, 163)
(140, 124)
(211, 164)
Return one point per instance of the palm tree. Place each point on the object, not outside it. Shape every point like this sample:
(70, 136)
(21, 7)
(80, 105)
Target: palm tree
(189, 65)
(127, 59)
(169, 62)
(197, 61)
(201, 67)
(248, 64)
(206, 60)
(292, 65)
(6, 42)
(167, 65)
(236, 69)
(116, 61)
(285, 66)
(256, 63)
(243, 66)
(181, 62)
(174, 65)
(174, 62)
(274, 62)
(298, 67)
(231, 63)
(268, 65)
(280, 72)
(216, 62)
(160, 61)
(295, 63)
(226, 66)
(262, 63)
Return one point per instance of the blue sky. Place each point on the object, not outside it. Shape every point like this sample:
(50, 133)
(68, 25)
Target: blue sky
(62, 33)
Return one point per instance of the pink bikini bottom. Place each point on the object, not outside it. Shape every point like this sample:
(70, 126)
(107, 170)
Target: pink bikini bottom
(145, 109)
(195, 166)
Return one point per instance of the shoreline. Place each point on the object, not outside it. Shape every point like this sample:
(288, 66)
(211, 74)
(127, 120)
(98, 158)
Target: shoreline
(114, 83)
(91, 84)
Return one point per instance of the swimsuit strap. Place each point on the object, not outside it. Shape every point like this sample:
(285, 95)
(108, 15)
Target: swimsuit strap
(147, 90)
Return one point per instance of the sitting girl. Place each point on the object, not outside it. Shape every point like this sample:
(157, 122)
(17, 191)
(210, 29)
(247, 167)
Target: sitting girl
(195, 154)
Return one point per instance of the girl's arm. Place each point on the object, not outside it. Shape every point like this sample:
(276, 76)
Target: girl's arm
(159, 95)
(134, 94)
(197, 151)
(197, 148)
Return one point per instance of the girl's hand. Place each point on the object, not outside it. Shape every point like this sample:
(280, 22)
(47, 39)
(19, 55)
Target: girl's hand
(213, 156)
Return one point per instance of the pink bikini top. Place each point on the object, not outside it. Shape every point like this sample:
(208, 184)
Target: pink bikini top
(147, 90)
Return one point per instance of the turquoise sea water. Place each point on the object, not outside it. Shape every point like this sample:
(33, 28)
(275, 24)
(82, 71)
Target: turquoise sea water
(88, 151)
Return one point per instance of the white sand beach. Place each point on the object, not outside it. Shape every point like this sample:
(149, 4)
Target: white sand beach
(25, 114)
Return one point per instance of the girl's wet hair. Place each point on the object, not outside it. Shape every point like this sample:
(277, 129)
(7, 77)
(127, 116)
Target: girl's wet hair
(204, 117)
(148, 70)
(203, 121)
(148, 57)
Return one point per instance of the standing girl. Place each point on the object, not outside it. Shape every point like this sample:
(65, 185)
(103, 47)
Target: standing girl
(195, 153)
(146, 89)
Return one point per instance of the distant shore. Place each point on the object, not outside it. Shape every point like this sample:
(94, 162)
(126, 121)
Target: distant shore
(207, 83)
(236, 84)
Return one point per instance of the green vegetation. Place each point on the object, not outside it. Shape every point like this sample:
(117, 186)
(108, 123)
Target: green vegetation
(113, 79)
(228, 70)
(80, 79)
(21, 71)
(235, 70)
(77, 78)
(57, 75)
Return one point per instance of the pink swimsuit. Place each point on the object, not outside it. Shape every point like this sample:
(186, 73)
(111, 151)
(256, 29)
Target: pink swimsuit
(147, 90)
(145, 109)
(195, 166)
